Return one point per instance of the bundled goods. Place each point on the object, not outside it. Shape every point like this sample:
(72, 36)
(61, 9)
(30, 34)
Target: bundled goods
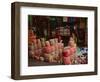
(31, 50)
(56, 47)
(35, 43)
(58, 50)
(38, 50)
(68, 55)
(43, 42)
(39, 44)
(31, 37)
(56, 43)
(52, 43)
(53, 50)
(60, 46)
(47, 52)
(36, 54)
(47, 48)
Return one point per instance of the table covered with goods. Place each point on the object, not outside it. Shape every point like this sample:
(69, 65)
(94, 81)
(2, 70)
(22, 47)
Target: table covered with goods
(53, 52)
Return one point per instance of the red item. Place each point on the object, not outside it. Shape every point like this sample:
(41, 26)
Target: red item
(47, 49)
(67, 60)
(69, 52)
(73, 50)
(66, 53)
(67, 56)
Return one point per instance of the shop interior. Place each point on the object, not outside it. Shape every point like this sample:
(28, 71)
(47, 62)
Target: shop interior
(52, 40)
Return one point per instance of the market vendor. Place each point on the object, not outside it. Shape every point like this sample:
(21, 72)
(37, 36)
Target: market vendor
(69, 52)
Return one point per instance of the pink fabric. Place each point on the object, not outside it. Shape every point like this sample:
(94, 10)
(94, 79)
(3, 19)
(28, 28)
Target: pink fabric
(67, 60)
(47, 49)
(72, 50)
(67, 55)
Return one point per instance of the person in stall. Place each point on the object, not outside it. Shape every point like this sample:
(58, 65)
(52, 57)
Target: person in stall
(69, 52)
